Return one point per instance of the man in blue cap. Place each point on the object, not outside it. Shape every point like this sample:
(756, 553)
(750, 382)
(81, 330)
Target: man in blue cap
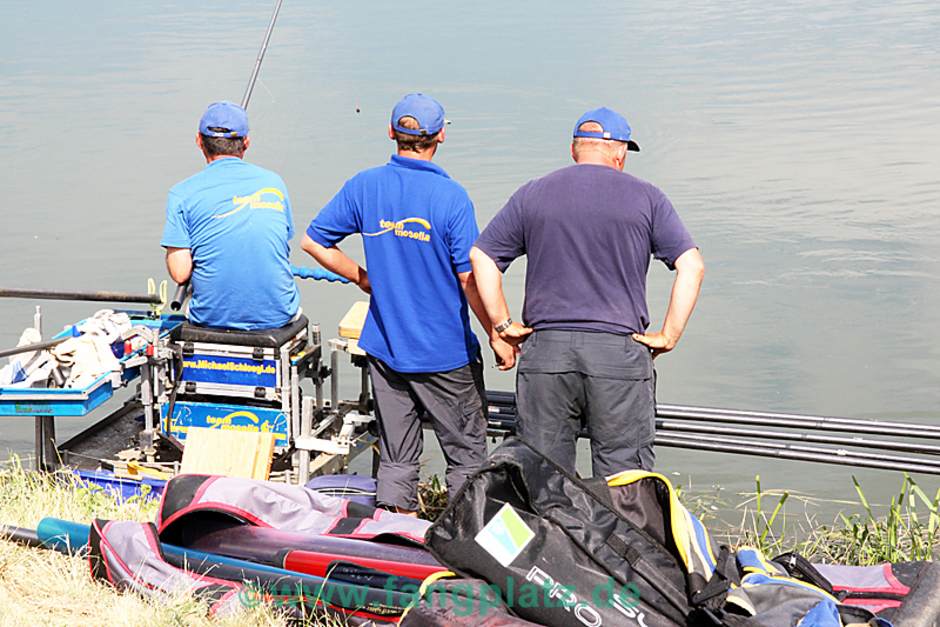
(228, 228)
(417, 226)
(588, 232)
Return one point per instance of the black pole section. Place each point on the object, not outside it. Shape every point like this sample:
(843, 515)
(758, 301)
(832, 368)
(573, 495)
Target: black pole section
(693, 426)
(758, 451)
(821, 450)
(180, 297)
(264, 48)
(862, 427)
(820, 422)
(503, 419)
(20, 535)
(38, 346)
(108, 297)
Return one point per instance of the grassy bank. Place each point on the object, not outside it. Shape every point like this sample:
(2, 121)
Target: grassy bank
(40, 587)
(777, 521)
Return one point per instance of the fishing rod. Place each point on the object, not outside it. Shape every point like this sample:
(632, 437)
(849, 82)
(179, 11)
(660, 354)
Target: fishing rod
(107, 297)
(758, 450)
(888, 445)
(182, 289)
(844, 425)
(264, 48)
(841, 452)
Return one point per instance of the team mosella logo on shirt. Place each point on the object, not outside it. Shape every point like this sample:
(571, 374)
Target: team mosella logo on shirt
(398, 228)
(264, 198)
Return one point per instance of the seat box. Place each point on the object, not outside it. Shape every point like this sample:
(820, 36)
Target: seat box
(244, 364)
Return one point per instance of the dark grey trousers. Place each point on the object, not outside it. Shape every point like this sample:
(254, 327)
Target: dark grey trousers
(604, 381)
(455, 403)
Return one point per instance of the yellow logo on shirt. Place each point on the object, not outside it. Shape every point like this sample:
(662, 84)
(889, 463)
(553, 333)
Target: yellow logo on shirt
(398, 228)
(261, 199)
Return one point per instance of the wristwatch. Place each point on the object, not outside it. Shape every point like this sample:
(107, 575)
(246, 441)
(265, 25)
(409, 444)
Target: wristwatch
(502, 326)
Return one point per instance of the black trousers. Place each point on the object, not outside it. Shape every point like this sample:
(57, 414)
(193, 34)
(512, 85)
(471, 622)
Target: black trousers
(602, 381)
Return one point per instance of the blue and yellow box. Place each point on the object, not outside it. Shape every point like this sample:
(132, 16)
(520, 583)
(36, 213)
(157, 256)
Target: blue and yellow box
(240, 364)
(188, 414)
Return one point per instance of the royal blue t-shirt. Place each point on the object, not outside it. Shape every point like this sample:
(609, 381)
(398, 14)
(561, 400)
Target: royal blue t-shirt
(588, 232)
(417, 227)
(236, 220)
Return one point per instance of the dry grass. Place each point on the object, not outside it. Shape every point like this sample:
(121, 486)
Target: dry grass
(39, 587)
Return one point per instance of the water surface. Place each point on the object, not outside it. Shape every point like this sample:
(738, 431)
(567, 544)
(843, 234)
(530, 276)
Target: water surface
(800, 143)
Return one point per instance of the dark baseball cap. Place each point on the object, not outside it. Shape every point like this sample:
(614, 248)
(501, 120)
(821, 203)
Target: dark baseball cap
(614, 125)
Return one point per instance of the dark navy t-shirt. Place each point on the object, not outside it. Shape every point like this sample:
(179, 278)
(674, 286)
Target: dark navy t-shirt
(589, 232)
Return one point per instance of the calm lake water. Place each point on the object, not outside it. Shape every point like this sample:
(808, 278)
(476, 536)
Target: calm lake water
(800, 143)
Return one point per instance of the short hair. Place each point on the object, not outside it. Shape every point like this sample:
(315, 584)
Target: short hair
(215, 146)
(413, 143)
(612, 148)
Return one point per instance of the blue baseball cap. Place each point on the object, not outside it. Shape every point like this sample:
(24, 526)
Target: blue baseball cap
(614, 125)
(426, 110)
(224, 119)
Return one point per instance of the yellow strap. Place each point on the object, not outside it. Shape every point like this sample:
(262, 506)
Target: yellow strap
(432, 578)
(423, 588)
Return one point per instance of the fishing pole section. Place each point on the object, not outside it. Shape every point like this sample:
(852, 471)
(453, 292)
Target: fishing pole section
(790, 436)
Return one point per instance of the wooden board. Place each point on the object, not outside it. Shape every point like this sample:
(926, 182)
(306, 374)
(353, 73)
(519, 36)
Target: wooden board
(350, 326)
(227, 452)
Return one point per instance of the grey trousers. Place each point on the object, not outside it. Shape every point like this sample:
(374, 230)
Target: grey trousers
(602, 381)
(455, 403)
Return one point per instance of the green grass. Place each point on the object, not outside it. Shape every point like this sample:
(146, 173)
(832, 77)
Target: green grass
(906, 529)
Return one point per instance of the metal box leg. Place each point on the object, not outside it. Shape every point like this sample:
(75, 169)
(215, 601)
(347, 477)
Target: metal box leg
(47, 456)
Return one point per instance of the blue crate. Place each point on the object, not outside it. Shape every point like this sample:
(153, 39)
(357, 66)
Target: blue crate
(121, 488)
(78, 401)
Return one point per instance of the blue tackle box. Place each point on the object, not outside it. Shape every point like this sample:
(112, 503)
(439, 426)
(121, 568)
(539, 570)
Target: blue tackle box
(17, 401)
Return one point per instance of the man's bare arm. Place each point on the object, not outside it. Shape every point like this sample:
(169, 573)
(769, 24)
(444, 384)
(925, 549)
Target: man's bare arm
(690, 270)
(179, 263)
(505, 353)
(489, 281)
(335, 260)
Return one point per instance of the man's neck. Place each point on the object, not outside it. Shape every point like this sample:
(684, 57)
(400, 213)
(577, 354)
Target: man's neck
(424, 155)
(217, 157)
(597, 158)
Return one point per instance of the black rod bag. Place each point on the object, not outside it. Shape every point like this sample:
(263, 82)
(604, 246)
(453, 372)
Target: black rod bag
(559, 551)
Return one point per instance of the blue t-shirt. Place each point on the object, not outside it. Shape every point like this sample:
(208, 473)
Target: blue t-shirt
(417, 227)
(236, 220)
(588, 232)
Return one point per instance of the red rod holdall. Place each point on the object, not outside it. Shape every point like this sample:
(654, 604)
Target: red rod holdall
(195, 504)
